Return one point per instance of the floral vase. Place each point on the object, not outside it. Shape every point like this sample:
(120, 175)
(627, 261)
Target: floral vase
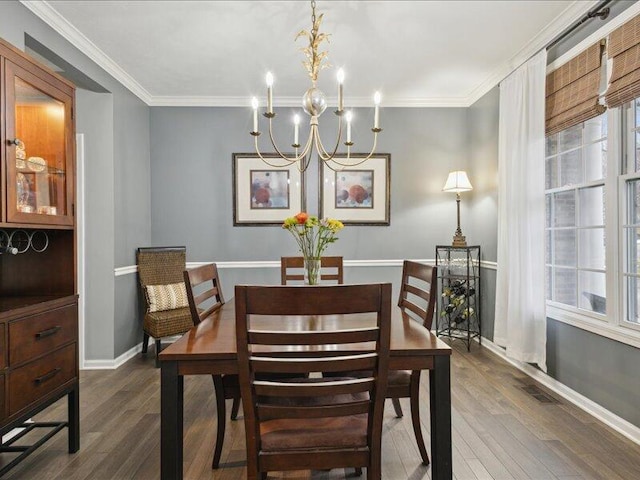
(311, 271)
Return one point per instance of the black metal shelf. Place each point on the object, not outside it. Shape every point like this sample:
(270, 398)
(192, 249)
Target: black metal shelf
(458, 309)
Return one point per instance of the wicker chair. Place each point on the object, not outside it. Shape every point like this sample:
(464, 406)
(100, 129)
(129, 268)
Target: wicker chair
(162, 266)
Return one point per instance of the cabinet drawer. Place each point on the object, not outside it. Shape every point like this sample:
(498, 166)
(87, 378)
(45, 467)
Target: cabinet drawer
(36, 335)
(36, 379)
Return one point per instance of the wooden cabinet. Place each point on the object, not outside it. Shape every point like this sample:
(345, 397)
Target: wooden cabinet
(38, 301)
(38, 133)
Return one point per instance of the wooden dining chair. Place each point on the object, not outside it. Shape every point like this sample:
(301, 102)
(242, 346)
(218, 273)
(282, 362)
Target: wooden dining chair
(204, 292)
(418, 299)
(291, 270)
(310, 422)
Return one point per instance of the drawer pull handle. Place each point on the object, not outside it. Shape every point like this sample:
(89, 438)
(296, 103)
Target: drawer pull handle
(47, 376)
(48, 332)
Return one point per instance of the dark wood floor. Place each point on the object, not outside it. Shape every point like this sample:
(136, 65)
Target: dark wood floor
(499, 432)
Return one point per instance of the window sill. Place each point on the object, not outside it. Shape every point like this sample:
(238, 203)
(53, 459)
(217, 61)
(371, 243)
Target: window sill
(619, 333)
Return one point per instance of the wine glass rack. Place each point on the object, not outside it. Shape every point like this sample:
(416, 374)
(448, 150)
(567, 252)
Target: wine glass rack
(14, 242)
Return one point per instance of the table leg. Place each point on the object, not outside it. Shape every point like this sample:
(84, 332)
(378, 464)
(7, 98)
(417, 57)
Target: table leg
(73, 418)
(171, 399)
(440, 407)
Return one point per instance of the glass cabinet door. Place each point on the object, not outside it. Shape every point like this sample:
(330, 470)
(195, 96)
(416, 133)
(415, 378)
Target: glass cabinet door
(39, 150)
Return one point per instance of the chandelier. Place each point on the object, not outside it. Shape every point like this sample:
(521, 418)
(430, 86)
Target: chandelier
(314, 103)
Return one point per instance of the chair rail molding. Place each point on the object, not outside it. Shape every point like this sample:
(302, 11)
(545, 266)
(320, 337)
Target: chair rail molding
(129, 269)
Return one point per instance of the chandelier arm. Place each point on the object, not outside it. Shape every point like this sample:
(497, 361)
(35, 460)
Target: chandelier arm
(296, 158)
(373, 149)
(304, 164)
(275, 147)
(324, 155)
(308, 148)
(288, 162)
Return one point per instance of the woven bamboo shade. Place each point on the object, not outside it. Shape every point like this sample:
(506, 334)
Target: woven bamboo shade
(624, 48)
(572, 91)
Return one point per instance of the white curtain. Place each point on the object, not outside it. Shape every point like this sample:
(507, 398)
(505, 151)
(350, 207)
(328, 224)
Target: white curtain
(520, 321)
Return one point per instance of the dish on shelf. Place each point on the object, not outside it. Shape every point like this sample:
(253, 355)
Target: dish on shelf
(22, 192)
(20, 149)
(20, 155)
(37, 164)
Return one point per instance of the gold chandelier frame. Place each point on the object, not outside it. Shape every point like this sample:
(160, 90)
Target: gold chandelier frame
(314, 104)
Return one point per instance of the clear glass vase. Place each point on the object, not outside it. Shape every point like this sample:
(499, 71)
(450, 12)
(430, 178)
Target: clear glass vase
(311, 271)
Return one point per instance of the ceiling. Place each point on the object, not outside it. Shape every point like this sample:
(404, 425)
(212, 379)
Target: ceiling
(417, 53)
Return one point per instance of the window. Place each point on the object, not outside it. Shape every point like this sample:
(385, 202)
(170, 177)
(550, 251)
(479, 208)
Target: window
(592, 191)
(631, 224)
(575, 171)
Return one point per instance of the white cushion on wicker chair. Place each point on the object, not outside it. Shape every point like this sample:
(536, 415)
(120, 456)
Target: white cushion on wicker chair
(166, 297)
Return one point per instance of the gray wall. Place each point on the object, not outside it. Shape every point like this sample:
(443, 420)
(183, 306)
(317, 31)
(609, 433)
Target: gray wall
(481, 223)
(191, 191)
(601, 369)
(128, 217)
(95, 120)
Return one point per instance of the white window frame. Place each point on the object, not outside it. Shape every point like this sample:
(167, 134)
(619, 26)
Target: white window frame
(612, 325)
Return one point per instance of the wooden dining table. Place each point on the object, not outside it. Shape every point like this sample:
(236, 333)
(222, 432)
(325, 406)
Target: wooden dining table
(209, 348)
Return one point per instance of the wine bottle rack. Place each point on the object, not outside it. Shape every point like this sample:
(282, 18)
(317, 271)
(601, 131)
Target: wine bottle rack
(458, 312)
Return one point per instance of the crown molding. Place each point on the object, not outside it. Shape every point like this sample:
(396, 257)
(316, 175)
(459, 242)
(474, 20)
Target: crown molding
(569, 15)
(356, 102)
(52, 17)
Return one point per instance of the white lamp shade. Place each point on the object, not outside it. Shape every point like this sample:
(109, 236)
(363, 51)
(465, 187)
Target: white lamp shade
(457, 182)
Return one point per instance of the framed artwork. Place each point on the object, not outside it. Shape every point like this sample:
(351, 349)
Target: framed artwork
(358, 194)
(262, 194)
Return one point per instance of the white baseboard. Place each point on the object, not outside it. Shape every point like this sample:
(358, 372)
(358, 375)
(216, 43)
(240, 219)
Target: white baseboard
(122, 359)
(619, 424)
(112, 364)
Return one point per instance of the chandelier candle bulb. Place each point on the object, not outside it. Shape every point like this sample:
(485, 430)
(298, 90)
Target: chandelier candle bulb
(349, 117)
(269, 92)
(340, 90)
(254, 105)
(296, 128)
(376, 114)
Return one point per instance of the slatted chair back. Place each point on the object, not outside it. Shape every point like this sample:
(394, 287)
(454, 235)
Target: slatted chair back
(204, 291)
(418, 290)
(309, 422)
(291, 270)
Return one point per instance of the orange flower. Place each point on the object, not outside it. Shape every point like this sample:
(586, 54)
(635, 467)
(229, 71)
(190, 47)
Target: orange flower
(301, 218)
